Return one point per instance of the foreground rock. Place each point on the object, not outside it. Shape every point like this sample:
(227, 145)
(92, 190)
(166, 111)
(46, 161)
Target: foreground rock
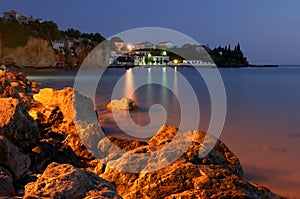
(16, 124)
(70, 114)
(123, 104)
(66, 181)
(6, 89)
(61, 108)
(12, 158)
(217, 175)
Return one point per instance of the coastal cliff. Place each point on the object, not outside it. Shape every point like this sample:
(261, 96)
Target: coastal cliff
(36, 52)
(52, 161)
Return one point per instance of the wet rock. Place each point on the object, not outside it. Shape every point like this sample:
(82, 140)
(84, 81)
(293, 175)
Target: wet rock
(16, 124)
(66, 181)
(6, 183)
(123, 104)
(12, 158)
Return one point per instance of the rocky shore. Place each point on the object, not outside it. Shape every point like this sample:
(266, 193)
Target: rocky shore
(42, 155)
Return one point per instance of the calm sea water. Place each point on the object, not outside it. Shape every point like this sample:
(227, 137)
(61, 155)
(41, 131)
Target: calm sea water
(263, 113)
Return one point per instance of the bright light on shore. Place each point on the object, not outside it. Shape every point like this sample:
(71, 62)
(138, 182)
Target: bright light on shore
(130, 47)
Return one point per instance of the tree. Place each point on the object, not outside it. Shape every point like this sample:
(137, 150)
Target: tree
(116, 39)
(238, 47)
(98, 38)
(70, 32)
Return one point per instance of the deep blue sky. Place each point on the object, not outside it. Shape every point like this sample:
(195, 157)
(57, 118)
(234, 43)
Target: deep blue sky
(268, 30)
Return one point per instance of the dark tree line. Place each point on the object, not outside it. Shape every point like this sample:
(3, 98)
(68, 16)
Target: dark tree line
(227, 57)
(15, 34)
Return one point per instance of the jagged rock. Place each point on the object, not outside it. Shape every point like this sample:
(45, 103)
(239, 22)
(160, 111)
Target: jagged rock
(164, 135)
(69, 113)
(19, 81)
(123, 104)
(72, 105)
(6, 183)
(52, 150)
(51, 99)
(66, 181)
(12, 158)
(217, 175)
(16, 124)
(6, 89)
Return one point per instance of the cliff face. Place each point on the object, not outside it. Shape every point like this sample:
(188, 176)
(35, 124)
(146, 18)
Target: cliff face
(36, 53)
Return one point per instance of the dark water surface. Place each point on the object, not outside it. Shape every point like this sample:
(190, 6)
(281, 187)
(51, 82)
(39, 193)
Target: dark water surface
(263, 113)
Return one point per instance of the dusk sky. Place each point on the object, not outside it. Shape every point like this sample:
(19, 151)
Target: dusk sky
(268, 30)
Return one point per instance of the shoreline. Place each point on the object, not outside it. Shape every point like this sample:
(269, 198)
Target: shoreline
(138, 66)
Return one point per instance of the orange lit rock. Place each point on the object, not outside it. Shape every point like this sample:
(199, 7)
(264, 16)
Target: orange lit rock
(72, 115)
(72, 105)
(217, 175)
(16, 124)
(164, 135)
(6, 89)
(66, 181)
(123, 104)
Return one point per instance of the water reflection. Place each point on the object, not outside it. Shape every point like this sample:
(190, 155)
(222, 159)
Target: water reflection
(128, 90)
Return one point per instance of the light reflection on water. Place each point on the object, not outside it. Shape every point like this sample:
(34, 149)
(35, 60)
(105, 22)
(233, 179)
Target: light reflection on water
(154, 86)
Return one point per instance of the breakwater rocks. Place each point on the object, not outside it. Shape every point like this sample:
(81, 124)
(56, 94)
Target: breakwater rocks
(42, 155)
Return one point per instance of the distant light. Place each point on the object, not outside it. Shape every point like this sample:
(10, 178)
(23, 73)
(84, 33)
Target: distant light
(130, 47)
(175, 61)
(164, 53)
(149, 55)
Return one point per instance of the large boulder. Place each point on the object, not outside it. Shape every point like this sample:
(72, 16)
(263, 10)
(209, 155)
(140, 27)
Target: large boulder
(16, 124)
(71, 114)
(6, 183)
(66, 181)
(123, 104)
(67, 104)
(13, 159)
(217, 175)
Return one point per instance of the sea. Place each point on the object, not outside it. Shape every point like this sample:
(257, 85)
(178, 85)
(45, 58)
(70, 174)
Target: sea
(262, 110)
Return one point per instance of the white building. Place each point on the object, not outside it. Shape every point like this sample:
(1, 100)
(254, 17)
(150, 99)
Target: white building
(197, 63)
(165, 45)
(12, 14)
(145, 45)
(57, 45)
